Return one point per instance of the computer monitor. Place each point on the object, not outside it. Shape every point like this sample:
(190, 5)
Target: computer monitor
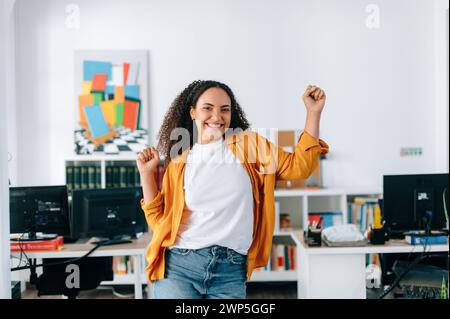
(407, 199)
(107, 213)
(39, 209)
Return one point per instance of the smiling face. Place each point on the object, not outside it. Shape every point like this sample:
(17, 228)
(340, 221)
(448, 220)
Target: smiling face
(212, 114)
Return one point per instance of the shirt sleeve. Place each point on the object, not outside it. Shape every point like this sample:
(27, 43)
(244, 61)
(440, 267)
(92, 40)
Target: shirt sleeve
(301, 163)
(154, 210)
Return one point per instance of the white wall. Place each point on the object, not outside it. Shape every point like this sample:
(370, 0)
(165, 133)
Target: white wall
(442, 83)
(6, 93)
(381, 83)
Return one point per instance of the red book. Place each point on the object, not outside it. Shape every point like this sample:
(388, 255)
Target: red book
(292, 256)
(38, 245)
(281, 257)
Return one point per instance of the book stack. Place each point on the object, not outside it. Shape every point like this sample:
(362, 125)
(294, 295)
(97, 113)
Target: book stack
(83, 177)
(123, 265)
(118, 174)
(37, 245)
(128, 176)
(361, 212)
(124, 175)
(420, 238)
(282, 258)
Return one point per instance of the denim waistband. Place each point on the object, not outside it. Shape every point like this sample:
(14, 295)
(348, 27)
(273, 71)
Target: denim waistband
(217, 250)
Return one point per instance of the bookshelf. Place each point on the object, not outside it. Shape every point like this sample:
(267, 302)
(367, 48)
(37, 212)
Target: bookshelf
(299, 203)
(280, 272)
(101, 162)
(334, 199)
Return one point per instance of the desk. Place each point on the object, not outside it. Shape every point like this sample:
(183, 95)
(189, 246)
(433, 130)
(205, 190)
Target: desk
(340, 272)
(136, 249)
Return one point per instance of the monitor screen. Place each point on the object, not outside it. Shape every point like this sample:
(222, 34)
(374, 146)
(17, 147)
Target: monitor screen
(408, 198)
(39, 209)
(109, 213)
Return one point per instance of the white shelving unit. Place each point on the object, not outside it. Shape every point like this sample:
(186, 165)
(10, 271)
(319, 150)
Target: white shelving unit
(127, 279)
(266, 276)
(340, 195)
(285, 238)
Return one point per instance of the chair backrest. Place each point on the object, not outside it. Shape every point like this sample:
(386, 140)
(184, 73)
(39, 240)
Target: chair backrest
(62, 279)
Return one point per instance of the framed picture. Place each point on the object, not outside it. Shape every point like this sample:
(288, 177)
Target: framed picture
(111, 102)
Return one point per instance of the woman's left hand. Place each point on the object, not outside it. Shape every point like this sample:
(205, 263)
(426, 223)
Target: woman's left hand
(314, 99)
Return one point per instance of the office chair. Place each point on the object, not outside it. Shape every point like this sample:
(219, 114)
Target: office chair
(92, 271)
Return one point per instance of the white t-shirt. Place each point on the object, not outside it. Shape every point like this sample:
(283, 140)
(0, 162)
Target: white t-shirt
(219, 200)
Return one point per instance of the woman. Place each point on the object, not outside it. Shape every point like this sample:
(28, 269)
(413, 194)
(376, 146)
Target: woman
(213, 219)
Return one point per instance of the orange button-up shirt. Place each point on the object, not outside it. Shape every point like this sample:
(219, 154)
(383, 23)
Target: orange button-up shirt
(264, 163)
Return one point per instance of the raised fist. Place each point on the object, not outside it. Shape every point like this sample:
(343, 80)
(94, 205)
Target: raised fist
(148, 160)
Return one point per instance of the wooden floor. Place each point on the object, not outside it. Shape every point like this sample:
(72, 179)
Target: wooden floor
(255, 290)
(258, 290)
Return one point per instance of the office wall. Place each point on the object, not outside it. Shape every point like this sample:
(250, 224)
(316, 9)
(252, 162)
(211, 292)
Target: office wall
(441, 21)
(381, 83)
(6, 93)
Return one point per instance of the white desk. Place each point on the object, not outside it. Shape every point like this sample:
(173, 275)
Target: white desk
(340, 272)
(136, 249)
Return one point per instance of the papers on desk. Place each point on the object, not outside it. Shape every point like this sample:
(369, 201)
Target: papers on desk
(347, 235)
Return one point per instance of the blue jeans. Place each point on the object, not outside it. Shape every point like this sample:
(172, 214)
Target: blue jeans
(208, 273)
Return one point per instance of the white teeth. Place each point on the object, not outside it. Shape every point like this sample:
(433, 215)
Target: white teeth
(214, 125)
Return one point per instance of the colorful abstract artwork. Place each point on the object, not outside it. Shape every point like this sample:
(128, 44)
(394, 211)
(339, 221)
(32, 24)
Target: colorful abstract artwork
(111, 112)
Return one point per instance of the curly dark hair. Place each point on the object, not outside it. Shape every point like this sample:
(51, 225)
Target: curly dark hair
(178, 116)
